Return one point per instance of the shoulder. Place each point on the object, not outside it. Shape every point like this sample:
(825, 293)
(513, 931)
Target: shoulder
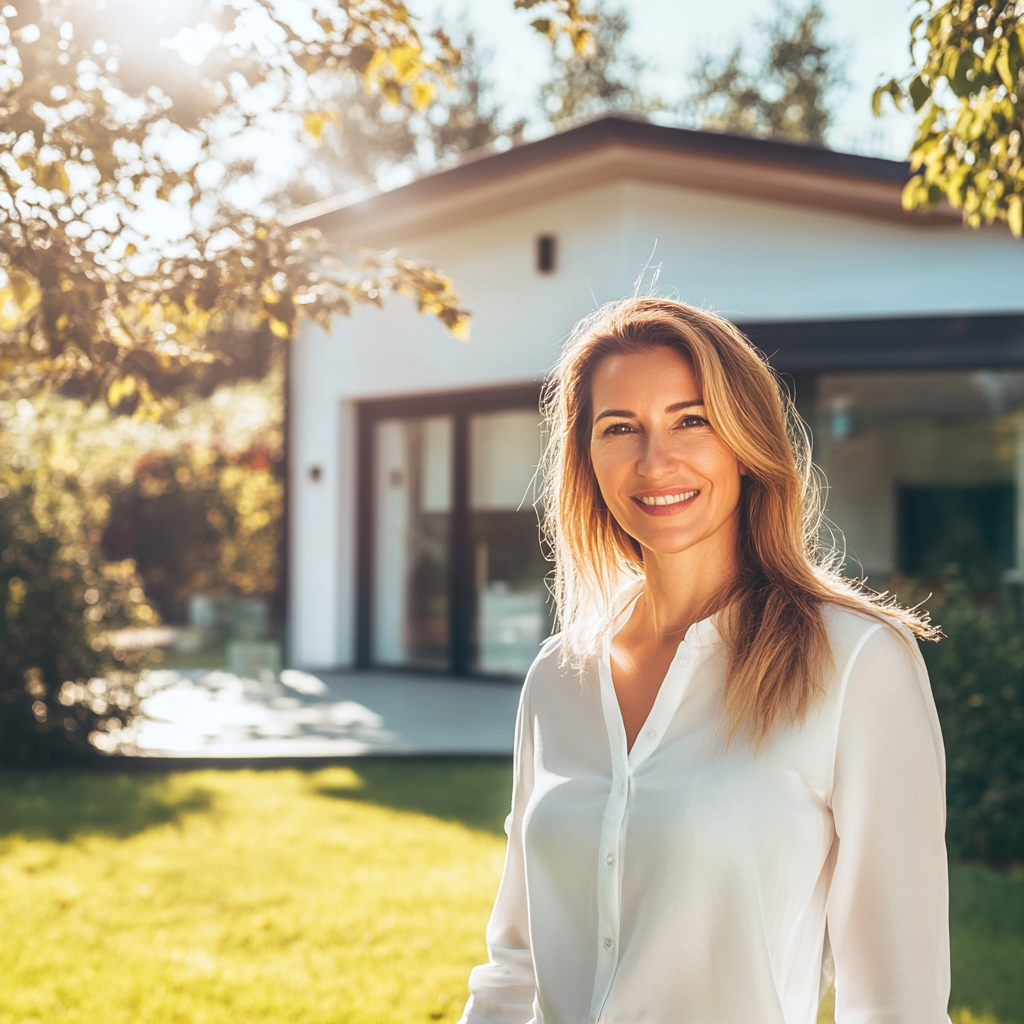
(855, 635)
(876, 663)
(555, 671)
(547, 664)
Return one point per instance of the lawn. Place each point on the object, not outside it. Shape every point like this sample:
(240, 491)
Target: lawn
(346, 894)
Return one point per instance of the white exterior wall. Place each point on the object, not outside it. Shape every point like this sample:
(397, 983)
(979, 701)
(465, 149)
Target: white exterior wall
(748, 259)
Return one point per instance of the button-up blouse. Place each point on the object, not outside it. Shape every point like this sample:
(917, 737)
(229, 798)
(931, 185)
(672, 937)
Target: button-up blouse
(689, 880)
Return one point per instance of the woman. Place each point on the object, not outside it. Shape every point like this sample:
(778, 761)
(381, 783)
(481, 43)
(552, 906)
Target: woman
(730, 750)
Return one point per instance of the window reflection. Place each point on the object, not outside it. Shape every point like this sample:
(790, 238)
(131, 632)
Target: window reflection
(511, 615)
(925, 471)
(413, 484)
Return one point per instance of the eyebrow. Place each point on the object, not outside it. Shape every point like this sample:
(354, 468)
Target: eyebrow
(626, 414)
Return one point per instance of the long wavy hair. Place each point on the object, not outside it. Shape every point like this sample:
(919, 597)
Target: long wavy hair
(773, 626)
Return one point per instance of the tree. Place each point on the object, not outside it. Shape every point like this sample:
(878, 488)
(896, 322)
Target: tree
(786, 97)
(602, 79)
(969, 94)
(365, 135)
(110, 109)
(466, 116)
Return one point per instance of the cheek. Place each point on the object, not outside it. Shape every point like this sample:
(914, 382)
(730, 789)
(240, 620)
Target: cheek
(722, 468)
(611, 471)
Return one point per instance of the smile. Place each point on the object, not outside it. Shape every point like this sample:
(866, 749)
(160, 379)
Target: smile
(669, 499)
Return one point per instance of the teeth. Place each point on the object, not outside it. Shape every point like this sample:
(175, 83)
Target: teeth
(671, 499)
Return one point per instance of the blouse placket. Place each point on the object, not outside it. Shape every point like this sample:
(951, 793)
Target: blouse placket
(624, 766)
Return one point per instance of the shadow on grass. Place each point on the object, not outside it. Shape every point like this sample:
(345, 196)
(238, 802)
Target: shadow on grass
(986, 915)
(63, 805)
(473, 792)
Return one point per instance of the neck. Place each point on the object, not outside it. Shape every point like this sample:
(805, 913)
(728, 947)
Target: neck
(684, 587)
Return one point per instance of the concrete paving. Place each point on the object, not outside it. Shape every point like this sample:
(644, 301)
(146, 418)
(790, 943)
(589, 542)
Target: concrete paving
(215, 714)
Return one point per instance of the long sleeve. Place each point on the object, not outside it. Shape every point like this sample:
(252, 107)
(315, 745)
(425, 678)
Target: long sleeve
(502, 990)
(888, 902)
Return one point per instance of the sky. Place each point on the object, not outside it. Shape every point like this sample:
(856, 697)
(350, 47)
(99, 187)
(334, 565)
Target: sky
(669, 35)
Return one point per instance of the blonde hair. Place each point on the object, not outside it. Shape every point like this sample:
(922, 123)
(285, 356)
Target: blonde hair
(774, 630)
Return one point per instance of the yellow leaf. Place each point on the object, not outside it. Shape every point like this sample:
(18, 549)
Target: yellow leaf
(1015, 214)
(278, 327)
(1003, 67)
(120, 390)
(422, 94)
(406, 62)
(53, 176)
(19, 299)
(314, 125)
(373, 69)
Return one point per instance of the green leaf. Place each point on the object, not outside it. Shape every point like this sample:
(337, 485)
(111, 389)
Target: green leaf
(920, 92)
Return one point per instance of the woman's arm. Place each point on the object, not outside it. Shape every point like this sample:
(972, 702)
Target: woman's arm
(502, 990)
(888, 904)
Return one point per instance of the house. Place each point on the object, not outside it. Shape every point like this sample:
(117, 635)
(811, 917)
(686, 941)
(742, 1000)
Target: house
(411, 451)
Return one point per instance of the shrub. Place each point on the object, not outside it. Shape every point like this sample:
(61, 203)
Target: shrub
(200, 521)
(977, 676)
(66, 683)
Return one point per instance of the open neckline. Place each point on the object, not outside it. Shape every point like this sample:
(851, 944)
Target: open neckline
(697, 635)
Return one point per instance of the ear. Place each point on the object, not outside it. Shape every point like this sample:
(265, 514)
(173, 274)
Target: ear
(743, 470)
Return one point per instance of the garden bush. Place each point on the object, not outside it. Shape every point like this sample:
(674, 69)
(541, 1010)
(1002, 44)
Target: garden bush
(67, 687)
(977, 675)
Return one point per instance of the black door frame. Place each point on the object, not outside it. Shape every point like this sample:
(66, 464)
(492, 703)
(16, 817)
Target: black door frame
(460, 405)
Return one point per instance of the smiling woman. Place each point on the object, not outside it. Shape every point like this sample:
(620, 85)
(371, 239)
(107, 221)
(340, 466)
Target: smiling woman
(728, 745)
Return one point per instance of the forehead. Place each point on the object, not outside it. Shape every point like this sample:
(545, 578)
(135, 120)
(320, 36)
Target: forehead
(659, 376)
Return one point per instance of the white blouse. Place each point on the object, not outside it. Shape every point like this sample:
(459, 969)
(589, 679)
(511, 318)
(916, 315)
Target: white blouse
(689, 881)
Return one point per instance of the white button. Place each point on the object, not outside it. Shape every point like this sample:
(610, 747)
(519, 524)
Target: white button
(651, 734)
(609, 860)
(608, 943)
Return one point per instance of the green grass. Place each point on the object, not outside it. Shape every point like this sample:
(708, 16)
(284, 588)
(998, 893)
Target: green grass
(335, 896)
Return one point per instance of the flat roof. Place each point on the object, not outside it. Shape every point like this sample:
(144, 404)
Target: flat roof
(614, 148)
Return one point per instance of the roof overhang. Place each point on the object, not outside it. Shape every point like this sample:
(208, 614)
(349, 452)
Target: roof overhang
(614, 149)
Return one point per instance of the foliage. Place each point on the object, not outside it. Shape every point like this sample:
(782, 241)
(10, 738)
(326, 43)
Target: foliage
(969, 94)
(61, 470)
(786, 97)
(102, 127)
(466, 116)
(602, 79)
(66, 686)
(365, 137)
(202, 515)
(977, 676)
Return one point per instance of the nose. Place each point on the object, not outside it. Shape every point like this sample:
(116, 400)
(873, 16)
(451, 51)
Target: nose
(657, 458)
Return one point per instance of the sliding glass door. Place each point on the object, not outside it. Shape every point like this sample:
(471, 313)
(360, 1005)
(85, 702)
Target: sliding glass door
(452, 577)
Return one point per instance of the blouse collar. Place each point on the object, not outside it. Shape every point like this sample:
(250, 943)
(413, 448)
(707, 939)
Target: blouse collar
(700, 634)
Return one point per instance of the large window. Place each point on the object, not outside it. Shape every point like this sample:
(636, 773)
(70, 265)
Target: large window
(925, 471)
(452, 576)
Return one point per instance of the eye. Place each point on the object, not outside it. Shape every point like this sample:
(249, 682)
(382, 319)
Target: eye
(618, 429)
(693, 420)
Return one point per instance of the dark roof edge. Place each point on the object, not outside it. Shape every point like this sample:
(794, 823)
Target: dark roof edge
(482, 165)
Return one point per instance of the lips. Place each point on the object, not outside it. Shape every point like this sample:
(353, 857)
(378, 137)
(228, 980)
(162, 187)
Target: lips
(666, 504)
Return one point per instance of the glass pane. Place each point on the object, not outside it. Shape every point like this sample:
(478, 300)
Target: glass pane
(412, 491)
(925, 471)
(511, 613)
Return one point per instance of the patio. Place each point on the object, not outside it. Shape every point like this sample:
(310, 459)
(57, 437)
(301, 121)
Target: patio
(216, 714)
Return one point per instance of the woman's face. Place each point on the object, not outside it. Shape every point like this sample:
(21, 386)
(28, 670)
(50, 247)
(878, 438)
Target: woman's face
(668, 479)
